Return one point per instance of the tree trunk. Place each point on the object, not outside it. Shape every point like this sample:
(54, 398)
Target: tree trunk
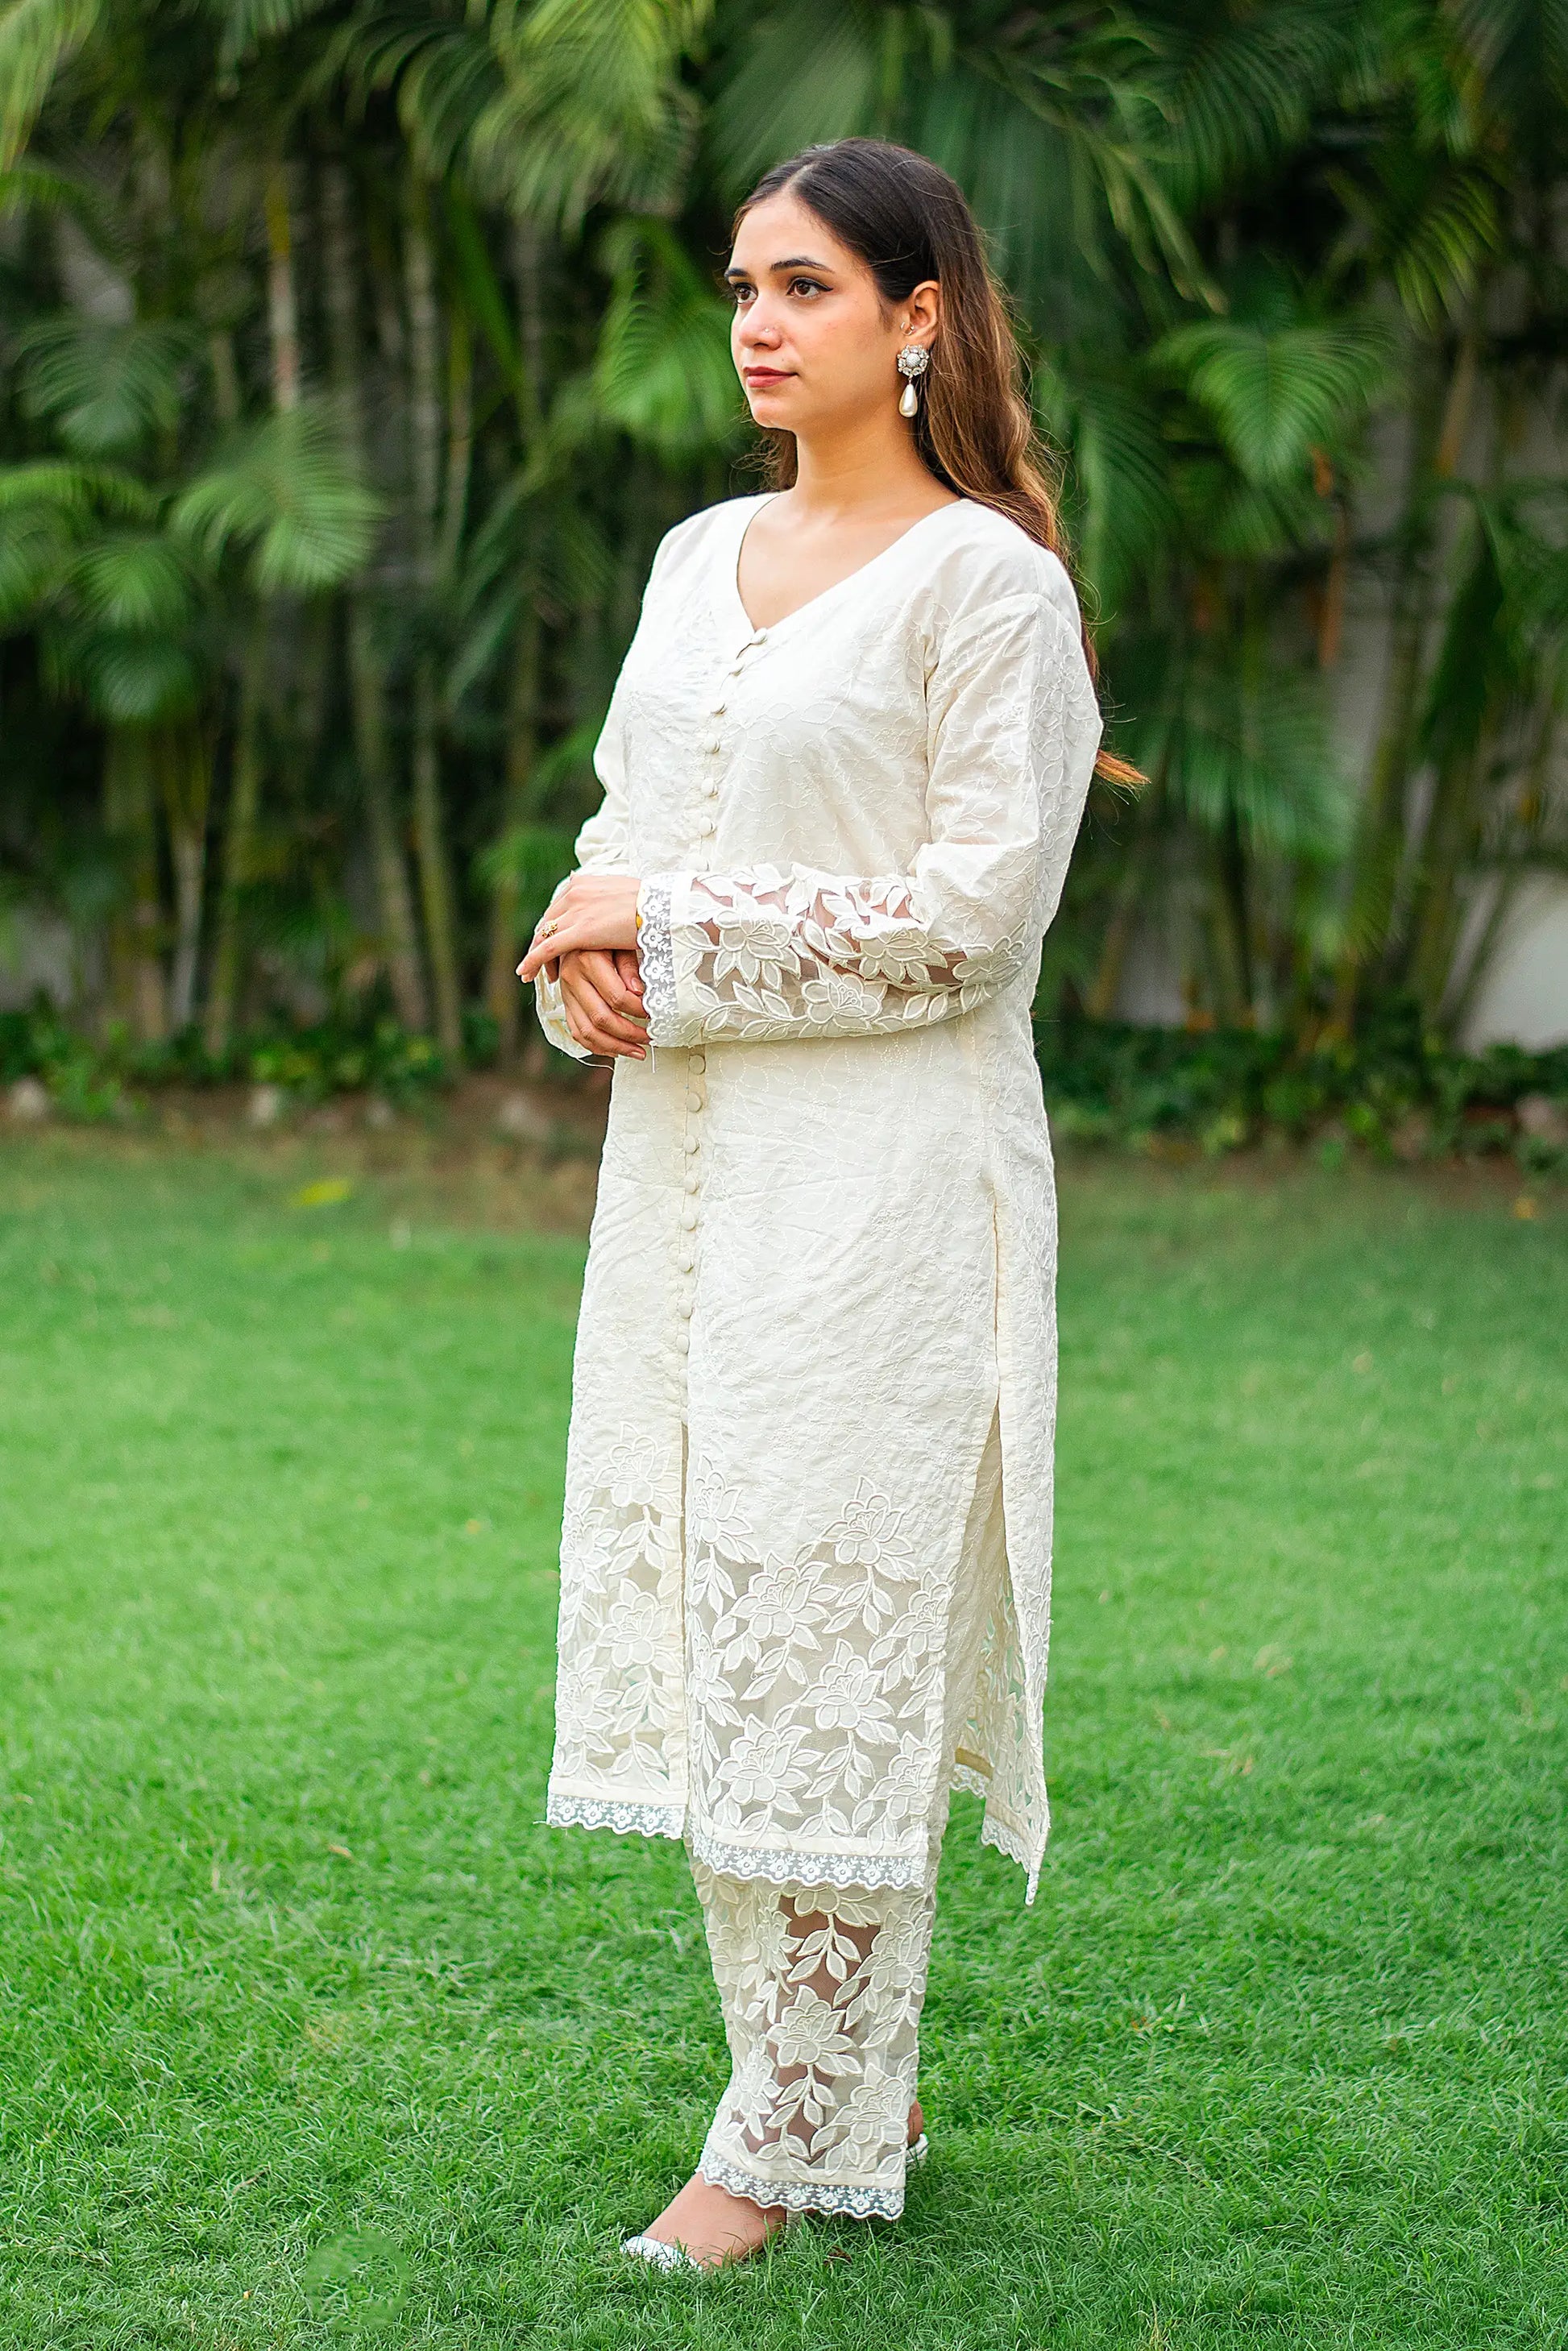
(430, 844)
(1379, 842)
(282, 313)
(239, 847)
(426, 453)
(185, 762)
(1236, 920)
(1099, 1004)
(137, 992)
(1451, 825)
(502, 991)
(366, 683)
(459, 440)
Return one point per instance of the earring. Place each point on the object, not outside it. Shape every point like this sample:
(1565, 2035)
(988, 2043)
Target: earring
(912, 361)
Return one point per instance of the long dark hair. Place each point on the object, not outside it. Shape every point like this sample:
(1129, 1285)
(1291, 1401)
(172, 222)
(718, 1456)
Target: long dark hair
(908, 222)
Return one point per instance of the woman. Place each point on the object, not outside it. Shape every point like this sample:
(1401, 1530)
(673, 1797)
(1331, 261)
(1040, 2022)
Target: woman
(806, 1553)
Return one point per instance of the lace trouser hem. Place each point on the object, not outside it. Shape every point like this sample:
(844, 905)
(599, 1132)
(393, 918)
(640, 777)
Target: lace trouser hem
(856, 2202)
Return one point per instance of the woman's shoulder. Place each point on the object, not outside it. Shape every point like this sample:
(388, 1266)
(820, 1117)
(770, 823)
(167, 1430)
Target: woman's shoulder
(987, 559)
(693, 536)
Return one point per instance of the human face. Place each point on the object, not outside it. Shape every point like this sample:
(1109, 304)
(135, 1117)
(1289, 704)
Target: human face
(814, 344)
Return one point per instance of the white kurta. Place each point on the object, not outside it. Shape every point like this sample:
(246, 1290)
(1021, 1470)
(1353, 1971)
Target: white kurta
(822, 1258)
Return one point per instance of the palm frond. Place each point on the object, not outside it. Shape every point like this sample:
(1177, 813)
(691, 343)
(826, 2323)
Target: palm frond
(127, 677)
(1241, 738)
(1275, 393)
(1121, 474)
(662, 372)
(74, 491)
(1247, 88)
(805, 72)
(35, 545)
(593, 110)
(104, 385)
(36, 39)
(436, 57)
(133, 581)
(290, 500)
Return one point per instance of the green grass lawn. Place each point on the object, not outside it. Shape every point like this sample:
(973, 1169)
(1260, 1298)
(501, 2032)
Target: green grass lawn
(312, 2035)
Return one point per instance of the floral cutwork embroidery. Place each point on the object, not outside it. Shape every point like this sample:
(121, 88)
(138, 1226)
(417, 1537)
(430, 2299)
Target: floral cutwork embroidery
(768, 952)
(821, 1992)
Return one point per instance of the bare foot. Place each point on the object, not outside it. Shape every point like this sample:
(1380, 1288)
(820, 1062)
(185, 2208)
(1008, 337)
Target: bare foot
(916, 2121)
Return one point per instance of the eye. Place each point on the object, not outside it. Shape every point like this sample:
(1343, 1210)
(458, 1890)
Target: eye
(806, 285)
(738, 294)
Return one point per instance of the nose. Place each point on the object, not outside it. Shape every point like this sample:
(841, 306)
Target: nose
(758, 331)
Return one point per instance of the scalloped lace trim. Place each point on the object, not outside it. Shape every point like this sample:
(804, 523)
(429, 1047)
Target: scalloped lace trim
(656, 956)
(778, 1866)
(803, 2196)
(772, 1866)
(626, 1820)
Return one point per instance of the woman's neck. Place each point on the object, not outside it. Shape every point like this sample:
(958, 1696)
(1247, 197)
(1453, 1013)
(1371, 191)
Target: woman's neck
(863, 472)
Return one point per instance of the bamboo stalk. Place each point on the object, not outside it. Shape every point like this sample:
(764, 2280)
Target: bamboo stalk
(436, 889)
(239, 847)
(367, 682)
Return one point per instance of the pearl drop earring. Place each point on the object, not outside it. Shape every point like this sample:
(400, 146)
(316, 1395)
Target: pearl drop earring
(912, 361)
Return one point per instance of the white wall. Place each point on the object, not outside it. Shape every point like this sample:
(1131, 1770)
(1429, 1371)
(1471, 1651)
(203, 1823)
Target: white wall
(1523, 998)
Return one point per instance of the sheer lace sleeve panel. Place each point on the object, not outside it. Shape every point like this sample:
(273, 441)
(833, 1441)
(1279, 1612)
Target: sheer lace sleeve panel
(603, 846)
(775, 952)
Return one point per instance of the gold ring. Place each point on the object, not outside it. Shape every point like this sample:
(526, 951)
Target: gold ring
(546, 928)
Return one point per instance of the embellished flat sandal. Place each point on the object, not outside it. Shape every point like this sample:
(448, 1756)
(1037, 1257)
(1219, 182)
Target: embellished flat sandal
(675, 2257)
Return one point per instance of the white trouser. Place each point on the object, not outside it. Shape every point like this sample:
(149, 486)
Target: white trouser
(822, 1987)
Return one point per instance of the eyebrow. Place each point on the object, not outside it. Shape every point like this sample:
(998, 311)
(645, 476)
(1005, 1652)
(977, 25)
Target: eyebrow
(795, 261)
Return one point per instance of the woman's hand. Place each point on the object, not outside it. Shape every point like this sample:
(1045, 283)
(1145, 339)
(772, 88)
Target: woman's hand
(601, 1000)
(588, 910)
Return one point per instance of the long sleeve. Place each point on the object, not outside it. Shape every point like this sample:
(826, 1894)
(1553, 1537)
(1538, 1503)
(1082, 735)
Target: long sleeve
(603, 847)
(783, 952)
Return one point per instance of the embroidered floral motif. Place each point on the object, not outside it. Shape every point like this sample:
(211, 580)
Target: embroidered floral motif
(821, 1992)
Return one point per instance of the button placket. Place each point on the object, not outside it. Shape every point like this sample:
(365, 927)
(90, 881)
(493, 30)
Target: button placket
(686, 1250)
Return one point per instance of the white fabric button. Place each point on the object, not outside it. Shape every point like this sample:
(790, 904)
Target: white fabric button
(694, 1101)
(683, 1309)
(717, 710)
(686, 1262)
(705, 828)
(692, 1142)
(693, 1182)
(683, 1343)
(689, 1217)
(698, 1060)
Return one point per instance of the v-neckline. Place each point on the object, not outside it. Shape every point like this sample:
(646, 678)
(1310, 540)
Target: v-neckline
(731, 567)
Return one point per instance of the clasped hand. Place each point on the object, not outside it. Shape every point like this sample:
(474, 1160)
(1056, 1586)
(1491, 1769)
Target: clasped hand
(587, 940)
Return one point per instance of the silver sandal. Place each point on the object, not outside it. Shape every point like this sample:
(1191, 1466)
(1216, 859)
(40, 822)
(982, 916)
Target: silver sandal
(675, 2257)
(662, 2256)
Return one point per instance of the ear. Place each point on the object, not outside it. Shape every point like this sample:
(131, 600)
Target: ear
(923, 313)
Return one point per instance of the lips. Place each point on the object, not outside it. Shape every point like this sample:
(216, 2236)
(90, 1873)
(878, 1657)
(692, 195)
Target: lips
(760, 378)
